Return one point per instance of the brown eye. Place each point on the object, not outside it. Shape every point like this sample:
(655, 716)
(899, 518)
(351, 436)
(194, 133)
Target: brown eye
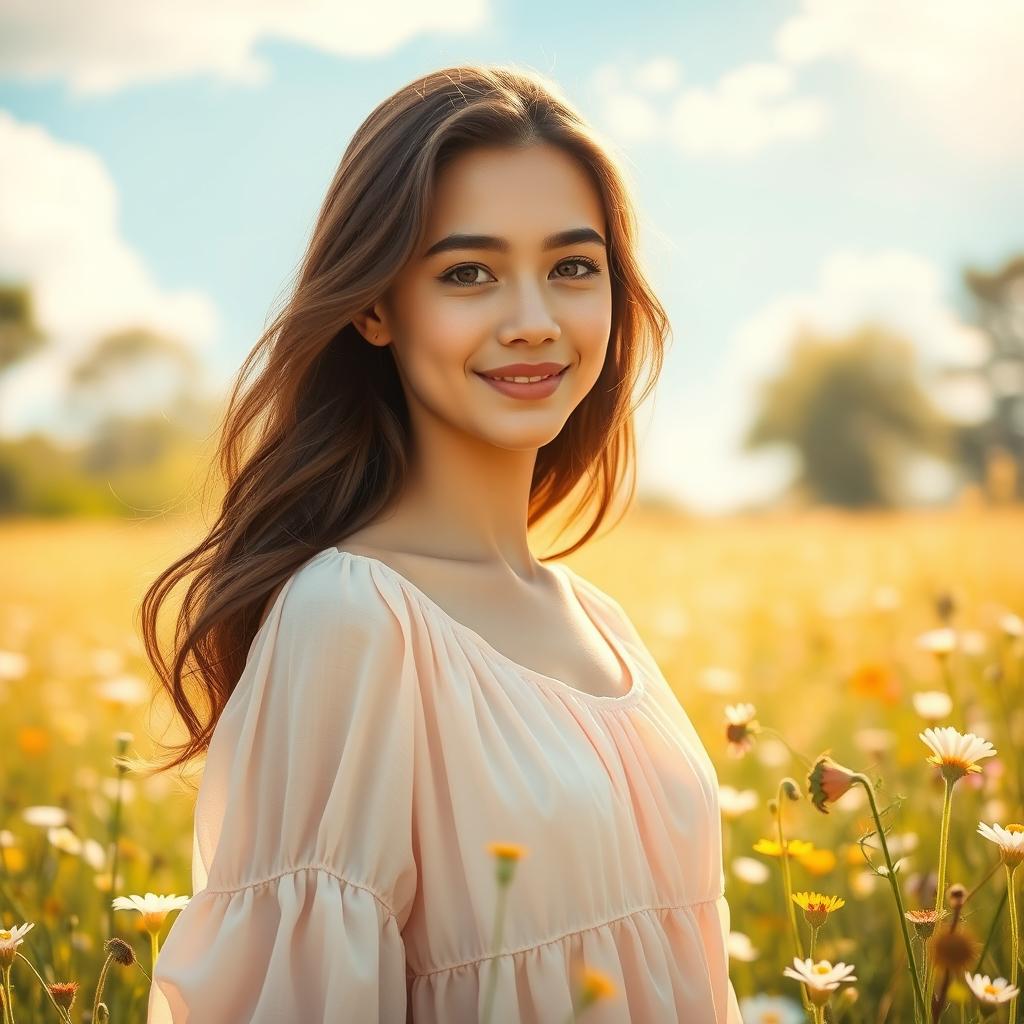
(588, 264)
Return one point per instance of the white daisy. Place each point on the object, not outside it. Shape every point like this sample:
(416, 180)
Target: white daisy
(988, 991)
(753, 872)
(45, 817)
(740, 947)
(153, 908)
(1012, 625)
(821, 978)
(735, 802)
(1010, 841)
(64, 839)
(933, 705)
(954, 752)
(10, 940)
(766, 1009)
(740, 729)
(941, 642)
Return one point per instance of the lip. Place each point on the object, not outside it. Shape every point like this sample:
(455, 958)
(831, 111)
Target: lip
(538, 389)
(522, 370)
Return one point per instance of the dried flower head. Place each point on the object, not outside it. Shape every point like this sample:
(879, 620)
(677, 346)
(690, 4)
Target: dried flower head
(120, 950)
(924, 921)
(956, 894)
(63, 993)
(953, 951)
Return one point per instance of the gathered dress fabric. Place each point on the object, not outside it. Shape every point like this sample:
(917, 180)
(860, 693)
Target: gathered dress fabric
(373, 748)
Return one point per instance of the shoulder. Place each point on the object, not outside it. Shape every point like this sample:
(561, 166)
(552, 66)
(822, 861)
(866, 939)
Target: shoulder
(331, 590)
(592, 590)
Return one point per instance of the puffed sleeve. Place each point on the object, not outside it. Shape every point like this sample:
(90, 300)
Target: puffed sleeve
(303, 867)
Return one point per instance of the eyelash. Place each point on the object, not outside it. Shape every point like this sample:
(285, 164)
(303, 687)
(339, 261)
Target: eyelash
(585, 260)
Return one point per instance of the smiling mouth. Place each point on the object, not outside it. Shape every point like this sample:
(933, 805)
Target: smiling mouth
(526, 387)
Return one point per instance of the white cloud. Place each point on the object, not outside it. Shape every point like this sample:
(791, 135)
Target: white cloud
(958, 63)
(659, 74)
(749, 109)
(106, 45)
(60, 235)
(694, 444)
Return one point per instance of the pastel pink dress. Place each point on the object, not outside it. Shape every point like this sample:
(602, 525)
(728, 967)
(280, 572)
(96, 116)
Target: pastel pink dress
(372, 749)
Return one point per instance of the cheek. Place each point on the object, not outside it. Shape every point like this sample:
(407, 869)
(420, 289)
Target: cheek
(590, 327)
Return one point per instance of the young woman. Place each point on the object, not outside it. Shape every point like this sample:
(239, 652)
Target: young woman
(393, 681)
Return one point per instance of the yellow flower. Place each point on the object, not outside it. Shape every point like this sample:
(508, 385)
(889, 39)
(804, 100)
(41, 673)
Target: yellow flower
(817, 861)
(794, 847)
(507, 855)
(596, 985)
(512, 851)
(816, 906)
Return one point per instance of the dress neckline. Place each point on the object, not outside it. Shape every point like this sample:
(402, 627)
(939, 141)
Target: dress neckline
(624, 656)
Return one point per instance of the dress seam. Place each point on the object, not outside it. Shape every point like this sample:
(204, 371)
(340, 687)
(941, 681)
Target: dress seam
(565, 935)
(294, 871)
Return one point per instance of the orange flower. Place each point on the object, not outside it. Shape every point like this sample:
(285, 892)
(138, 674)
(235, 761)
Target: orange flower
(827, 781)
(33, 741)
(874, 680)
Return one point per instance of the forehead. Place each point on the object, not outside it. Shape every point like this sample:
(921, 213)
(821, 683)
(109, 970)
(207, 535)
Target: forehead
(519, 193)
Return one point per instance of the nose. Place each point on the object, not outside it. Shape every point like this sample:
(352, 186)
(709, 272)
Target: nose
(530, 319)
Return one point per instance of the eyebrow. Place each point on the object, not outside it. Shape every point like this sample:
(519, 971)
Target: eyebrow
(573, 236)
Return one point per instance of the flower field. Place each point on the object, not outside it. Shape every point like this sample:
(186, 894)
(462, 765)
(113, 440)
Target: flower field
(857, 680)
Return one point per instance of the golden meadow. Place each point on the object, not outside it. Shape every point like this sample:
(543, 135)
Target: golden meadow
(785, 637)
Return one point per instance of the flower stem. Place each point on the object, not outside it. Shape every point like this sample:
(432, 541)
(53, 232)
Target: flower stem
(154, 949)
(8, 1001)
(99, 988)
(940, 888)
(492, 978)
(60, 1009)
(920, 1006)
(1014, 937)
(787, 885)
(947, 801)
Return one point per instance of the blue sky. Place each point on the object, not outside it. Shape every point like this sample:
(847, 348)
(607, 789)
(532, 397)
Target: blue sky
(791, 161)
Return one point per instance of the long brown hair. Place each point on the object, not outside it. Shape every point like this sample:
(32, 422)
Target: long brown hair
(315, 436)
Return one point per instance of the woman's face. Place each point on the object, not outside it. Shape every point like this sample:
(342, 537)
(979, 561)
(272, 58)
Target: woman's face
(465, 307)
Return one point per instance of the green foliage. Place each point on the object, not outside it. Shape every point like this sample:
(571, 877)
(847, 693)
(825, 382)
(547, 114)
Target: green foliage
(854, 411)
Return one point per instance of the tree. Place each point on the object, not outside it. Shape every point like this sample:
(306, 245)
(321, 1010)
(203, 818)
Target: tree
(20, 335)
(998, 439)
(855, 413)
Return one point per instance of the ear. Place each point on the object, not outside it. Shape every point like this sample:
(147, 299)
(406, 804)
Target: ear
(370, 323)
